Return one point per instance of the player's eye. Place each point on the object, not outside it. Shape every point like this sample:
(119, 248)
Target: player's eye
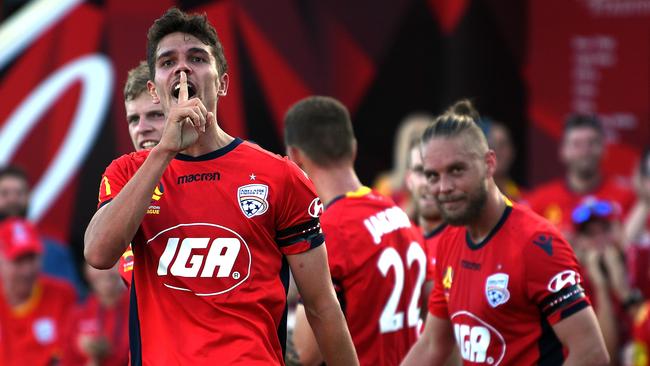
(166, 63)
(197, 59)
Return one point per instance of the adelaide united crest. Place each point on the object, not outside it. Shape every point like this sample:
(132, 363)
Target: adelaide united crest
(252, 199)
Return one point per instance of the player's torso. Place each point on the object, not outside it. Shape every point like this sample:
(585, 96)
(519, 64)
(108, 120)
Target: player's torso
(386, 266)
(488, 304)
(206, 253)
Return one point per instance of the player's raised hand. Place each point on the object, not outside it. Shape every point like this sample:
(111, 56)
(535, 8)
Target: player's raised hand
(185, 121)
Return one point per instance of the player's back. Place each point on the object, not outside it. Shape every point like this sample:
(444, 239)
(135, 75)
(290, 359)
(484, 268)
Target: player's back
(378, 265)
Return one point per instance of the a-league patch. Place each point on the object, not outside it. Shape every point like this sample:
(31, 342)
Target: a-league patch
(496, 289)
(252, 199)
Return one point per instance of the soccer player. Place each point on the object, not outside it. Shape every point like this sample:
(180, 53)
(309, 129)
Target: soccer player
(215, 222)
(34, 308)
(375, 254)
(146, 121)
(507, 286)
(582, 149)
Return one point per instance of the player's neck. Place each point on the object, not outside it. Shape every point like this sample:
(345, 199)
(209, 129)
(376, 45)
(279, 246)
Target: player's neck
(213, 139)
(583, 183)
(16, 298)
(428, 225)
(490, 215)
(332, 182)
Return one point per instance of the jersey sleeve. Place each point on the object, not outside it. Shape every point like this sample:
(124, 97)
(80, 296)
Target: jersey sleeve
(439, 296)
(298, 226)
(553, 278)
(113, 180)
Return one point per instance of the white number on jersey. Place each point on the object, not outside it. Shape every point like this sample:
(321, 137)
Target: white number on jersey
(391, 320)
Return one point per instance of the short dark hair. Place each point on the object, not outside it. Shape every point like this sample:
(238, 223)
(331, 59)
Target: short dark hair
(583, 121)
(13, 171)
(136, 81)
(321, 127)
(460, 119)
(196, 25)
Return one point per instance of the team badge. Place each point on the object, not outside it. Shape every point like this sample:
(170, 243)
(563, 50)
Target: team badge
(44, 330)
(496, 289)
(252, 199)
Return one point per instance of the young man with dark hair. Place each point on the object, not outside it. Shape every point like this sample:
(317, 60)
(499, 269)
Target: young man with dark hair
(216, 223)
(507, 286)
(581, 151)
(375, 254)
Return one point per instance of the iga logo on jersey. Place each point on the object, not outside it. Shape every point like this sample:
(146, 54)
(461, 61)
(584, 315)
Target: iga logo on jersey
(478, 341)
(252, 199)
(201, 258)
(563, 279)
(496, 289)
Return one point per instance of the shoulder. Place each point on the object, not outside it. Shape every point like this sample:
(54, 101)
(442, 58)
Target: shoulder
(539, 235)
(134, 159)
(57, 288)
(541, 192)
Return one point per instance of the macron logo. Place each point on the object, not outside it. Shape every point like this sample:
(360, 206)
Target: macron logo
(545, 242)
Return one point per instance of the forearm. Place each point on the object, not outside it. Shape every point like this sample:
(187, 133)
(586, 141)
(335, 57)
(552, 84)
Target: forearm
(434, 345)
(332, 334)
(606, 319)
(113, 227)
(635, 222)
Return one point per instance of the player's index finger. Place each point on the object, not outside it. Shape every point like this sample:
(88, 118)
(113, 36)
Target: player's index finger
(183, 93)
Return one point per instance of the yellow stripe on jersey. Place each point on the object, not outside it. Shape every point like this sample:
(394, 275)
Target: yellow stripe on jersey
(107, 186)
(362, 191)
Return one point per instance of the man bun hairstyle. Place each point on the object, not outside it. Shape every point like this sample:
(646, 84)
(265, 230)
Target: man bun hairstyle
(461, 119)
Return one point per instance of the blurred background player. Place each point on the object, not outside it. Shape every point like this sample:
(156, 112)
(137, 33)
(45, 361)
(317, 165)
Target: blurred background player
(427, 214)
(261, 229)
(393, 182)
(146, 121)
(507, 286)
(500, 140)
(14, 202)
(581, 151)
(34, 308)
(375, 254)
(98, 332)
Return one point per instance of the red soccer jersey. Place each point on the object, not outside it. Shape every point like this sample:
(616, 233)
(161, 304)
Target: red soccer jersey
(556, 201)
(211, 276)
(32, 334)
(378, 266)
(431, 245)
(92, 320)
(503, 294)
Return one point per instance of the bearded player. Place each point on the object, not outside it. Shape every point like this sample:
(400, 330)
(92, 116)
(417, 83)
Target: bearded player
(507, 285)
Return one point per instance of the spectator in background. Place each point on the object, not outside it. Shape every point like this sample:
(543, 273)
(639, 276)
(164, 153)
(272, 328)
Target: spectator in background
(98, 334)
(14, 202)
(500, 140)
(146, 121)
(392, 183)
(581, 151)
(597, 243)
(33, 307)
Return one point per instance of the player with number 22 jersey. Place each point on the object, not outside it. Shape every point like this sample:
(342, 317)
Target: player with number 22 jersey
(378, 265)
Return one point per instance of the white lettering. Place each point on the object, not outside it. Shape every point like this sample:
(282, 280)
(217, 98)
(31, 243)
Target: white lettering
(225, 261)
(473, 342)
(386, 222)
(180, 268)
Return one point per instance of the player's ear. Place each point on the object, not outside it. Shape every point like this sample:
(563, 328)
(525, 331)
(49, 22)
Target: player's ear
(222, 89)
(491, 162)
(152, 91)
